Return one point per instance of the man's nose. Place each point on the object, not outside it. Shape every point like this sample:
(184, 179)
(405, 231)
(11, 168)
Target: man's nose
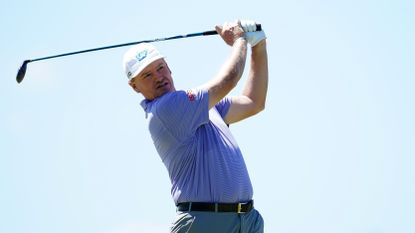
(157, 76)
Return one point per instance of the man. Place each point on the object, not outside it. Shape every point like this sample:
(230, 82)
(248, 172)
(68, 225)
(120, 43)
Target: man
(210, 183)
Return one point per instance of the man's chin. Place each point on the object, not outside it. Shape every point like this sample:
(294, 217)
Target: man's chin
(163, 91)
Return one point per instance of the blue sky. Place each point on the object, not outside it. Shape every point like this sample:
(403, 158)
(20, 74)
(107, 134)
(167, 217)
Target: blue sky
(332, 152)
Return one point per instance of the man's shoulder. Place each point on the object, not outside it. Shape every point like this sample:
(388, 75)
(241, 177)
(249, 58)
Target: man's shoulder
(168, 98)
(180, 96)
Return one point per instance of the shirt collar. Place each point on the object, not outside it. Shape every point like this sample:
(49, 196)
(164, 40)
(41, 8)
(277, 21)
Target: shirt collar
(144, 104)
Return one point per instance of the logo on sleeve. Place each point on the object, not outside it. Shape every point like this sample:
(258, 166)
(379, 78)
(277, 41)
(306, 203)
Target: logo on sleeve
(190, 95)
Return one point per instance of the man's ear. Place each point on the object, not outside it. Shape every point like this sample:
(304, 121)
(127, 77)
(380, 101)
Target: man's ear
(133, 86)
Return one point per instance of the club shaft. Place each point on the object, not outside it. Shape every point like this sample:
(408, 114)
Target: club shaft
(206, 33)
(22, 70)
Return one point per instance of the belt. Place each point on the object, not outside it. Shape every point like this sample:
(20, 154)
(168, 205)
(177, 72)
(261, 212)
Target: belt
(216, 207)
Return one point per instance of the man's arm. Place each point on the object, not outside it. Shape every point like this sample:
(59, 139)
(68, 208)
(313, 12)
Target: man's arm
(232, 70)
(253, 97)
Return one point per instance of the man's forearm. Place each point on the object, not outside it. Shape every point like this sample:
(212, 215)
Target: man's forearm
(234, 67)
(257, 84)
(230, 73)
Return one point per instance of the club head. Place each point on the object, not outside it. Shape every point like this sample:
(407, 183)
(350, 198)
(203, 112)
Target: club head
(22, 71)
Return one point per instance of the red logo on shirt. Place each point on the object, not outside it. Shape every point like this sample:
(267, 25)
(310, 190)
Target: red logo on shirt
(190, 95)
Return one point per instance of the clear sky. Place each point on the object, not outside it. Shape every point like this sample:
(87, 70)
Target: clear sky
(332, 153)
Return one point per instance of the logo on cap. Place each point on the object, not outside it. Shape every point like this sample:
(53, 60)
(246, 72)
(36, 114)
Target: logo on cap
(141, 55)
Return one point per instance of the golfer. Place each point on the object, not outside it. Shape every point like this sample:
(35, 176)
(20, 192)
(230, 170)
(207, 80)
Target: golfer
(211, 187)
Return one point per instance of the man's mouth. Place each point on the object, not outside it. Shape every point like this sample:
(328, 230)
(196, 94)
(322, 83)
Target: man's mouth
(162, 85)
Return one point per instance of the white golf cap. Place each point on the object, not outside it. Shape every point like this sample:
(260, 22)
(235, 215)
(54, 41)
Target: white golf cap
(139, 57)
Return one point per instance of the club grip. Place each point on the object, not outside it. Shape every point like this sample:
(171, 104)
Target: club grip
(213, 32)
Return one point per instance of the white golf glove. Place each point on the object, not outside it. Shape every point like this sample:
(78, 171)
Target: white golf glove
(252, 36)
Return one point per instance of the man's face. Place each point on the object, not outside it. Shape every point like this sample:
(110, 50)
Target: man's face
(154, 81)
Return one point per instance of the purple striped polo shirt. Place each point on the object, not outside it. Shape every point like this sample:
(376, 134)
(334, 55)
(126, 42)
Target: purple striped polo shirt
(203, 160)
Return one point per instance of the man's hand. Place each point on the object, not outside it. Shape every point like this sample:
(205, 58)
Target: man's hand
(252, 36)
(231, 32)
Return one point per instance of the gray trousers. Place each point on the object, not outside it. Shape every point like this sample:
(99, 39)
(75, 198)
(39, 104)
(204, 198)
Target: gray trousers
(211, 222)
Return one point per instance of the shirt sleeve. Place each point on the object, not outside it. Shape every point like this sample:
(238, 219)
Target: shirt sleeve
(223, 106)
(182, 112)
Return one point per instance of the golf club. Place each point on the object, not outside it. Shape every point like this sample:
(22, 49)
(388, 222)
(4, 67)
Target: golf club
(22, 70)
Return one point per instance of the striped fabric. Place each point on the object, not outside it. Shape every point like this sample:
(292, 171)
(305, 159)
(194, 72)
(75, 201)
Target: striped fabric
(203, 160)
